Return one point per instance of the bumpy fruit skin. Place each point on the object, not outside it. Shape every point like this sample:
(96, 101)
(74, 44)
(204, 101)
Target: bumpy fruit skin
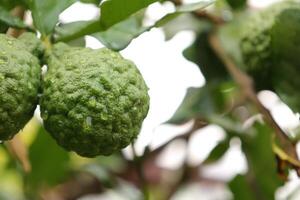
(19, 84)
(94, 101)
(271, 47)
(256, 43)
(33, 44)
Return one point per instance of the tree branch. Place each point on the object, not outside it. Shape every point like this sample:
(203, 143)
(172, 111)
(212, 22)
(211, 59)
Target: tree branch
(246, 85)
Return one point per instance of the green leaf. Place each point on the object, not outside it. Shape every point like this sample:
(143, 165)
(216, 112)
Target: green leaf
(49, 162)
(9, 4)
(237, 4)
(45, 13)
(204, 102)
(120, 35)
(218, 152)
(79, 42)
(201, 53)
(114, 11)
(3, 27)
(74, 30)
(262, 178)
(239, 186)
(183, 22)
(8, 19)
(230, 38)
(116, 35)
(96, 2)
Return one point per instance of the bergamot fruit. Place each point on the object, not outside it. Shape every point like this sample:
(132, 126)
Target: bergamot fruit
(256, 43)
(19, 85)
(94, 101)
(270, 50)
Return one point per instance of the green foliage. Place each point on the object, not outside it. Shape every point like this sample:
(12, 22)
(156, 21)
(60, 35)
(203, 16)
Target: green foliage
(108, 15)
(237, 4)
(262, 179)
(45, 13)
(96, 2)
(8, 19)
(219, 151)
(93, 102)
(48, 168)
(204, 102)
(119, 35)
(286, 55)
(107, 19)
(201, 53)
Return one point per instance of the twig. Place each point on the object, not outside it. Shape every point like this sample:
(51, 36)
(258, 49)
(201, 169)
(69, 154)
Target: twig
(19, 12)
(16, 146)
(80, 185)
(18, 149)
(246, 84)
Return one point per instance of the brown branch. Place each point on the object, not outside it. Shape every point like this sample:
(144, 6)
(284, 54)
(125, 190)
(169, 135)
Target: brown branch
(18, 12)
(246, 85)
(18, 150)
(80, 185)
(203, 14)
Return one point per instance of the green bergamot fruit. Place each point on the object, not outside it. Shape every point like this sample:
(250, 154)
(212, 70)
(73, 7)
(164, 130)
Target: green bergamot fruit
(270, 50)
(19, 85)
(94, 101)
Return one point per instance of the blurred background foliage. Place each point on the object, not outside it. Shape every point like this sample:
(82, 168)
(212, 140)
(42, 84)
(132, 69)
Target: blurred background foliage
(55, 174)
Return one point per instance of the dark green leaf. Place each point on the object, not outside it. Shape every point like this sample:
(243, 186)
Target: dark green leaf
(183, 22)
(115, 11)
(116, 36)
(201, 53)
(237, 4)
(96, 2)
(49, 162)
(45, 13)
(79, 42)
(10, 4)
(74, 30)
(204, 102)
(262, 178)
(8, 19)
(239, 186)
(120, 35)
(218, 151)
(3, 27)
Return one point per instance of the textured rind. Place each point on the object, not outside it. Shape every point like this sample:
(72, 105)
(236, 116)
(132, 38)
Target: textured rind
(19, 83)
(94, 101)
(33, 44)
(256, 43)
